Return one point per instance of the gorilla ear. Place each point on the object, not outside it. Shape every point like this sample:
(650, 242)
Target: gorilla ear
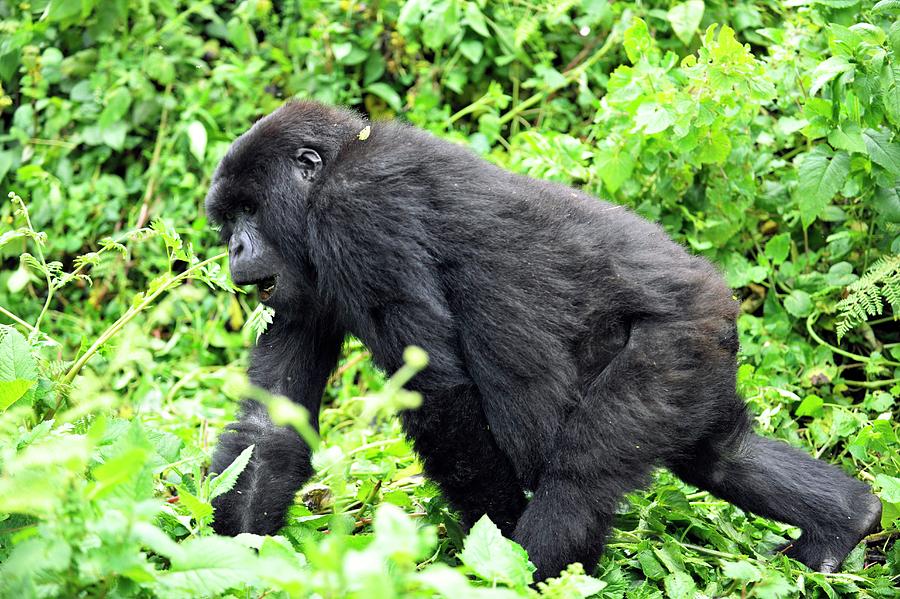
(309, 163)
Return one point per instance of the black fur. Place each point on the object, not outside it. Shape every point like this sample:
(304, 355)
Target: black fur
(573, 346)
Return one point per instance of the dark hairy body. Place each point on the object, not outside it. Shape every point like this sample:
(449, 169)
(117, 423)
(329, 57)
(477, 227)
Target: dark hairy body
(573, 346)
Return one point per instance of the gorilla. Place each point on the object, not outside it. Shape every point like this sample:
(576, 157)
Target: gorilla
(573, 346)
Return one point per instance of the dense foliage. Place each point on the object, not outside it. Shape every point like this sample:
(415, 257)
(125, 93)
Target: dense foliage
(764, 135)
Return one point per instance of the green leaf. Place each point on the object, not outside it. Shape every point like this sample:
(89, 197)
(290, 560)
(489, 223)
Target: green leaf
(714, 147)
(475, 19)
(386, 93)
(882, 150)
(778, 247)
(12, 391)
(810, 406)
(848, 137)
(653, 118)
(890, 487)
(742, 570)
(117, 104)
(199, 509)
(472, 49)
(685, 19)
(821, 176)
(828, 70)
(679, 585)
(16, 364)
(798, 303)
(61, 10)
(197, 138)
(887, 203)
(615, 167)
(207, 566)
(890, 92)
(495, 559)
(637, 41)
(886, 6)
(224, 482)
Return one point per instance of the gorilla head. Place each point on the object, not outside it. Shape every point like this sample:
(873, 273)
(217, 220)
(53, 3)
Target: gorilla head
(262, 189)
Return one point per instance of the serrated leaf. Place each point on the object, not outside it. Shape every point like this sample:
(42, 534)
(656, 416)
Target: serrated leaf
(890, 92)
(12, 391)
(685, 19)
(199, 509)
(847, 137)
(637, 41)
(821, 176)
(207, 566)
(17, 363)
(224, 482)
(828, 70)
(494, 558)
(887, 203)
(742, 570)
(882, 150)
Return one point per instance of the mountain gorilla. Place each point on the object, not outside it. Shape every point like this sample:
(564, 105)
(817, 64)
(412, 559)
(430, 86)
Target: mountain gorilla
(573, 346)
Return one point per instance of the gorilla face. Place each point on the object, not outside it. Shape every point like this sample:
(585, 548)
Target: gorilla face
(257, 199)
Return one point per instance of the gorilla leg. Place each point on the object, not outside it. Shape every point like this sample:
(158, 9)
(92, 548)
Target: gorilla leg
(774, 480)
(453, 438)
(606, 448)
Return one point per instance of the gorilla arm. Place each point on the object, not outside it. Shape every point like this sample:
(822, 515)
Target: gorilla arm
(293, 358)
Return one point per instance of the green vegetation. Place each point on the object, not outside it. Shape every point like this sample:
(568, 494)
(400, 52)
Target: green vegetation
(764, 135)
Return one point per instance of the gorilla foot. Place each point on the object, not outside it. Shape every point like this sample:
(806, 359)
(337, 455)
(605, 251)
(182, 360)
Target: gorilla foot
(825, 550)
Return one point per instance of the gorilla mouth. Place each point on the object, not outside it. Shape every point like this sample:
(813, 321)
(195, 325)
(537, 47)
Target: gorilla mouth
(266, 287)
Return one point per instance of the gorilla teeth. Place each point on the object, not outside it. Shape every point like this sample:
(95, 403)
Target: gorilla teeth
(266, 292)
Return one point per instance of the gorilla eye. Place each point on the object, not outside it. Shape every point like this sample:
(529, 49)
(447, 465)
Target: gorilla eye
(248, 209)
(229, 217)
(309, 163)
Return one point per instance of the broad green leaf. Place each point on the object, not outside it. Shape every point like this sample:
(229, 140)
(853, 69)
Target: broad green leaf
(16, 364)
(778, 247)
(652, 118)
(207, 566)
(12, 391)
(828, 70)
(637, 41)
(882, 150)
(890, 92)
(679, 585)
(386, 93)
(117, 104)
(714, 147)
(472, 49)
(475, 20)
(810, 406)
(848, 137)
(494, 558)
(197, 139)
(199, 509)
(798, 303)
(615, 168)
(225, 481)
(742, 570)
(887, 203)
(685, 19)
(890, 487)
(821, 176)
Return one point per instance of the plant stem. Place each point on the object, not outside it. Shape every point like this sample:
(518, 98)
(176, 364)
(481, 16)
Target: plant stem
(129, 315)
(571, 76)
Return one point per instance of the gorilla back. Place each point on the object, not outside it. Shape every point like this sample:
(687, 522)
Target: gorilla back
(573, 346)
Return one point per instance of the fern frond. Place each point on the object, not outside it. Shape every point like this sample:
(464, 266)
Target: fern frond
(867, 295)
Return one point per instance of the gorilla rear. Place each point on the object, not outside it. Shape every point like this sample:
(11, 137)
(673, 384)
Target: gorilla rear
(573, 346)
